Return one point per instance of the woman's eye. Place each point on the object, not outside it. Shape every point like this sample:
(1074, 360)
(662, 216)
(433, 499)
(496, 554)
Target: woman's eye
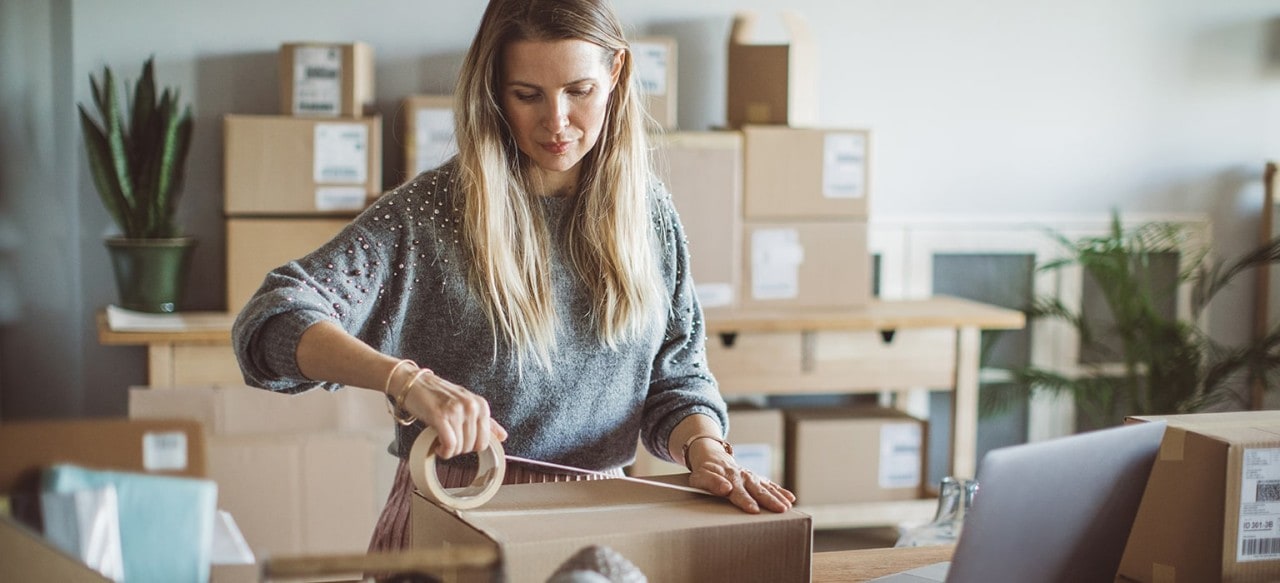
(582, 92)
(526, 97)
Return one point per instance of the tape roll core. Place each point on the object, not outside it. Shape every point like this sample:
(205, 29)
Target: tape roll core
(489, 474)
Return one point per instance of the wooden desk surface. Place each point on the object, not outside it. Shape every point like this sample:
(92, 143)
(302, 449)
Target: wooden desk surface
(867, 564)
(935, 312)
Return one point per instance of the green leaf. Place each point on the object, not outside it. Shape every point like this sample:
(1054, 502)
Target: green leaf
(99, 153)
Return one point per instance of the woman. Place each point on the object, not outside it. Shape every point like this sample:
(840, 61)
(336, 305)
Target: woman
(533, 290)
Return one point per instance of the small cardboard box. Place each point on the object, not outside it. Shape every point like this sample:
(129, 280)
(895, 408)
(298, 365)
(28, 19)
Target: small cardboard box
(326, 79)
(1211, 510)
(278, 165)
(429, 139)
(255, 246)
(842, 455)
(670, 535)
(793, 173)
(772, 83)
(703, 171)
(757, 438)
(656, 74)
(806, 265)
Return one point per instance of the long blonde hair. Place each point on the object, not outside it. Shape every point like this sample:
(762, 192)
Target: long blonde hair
(610, 236)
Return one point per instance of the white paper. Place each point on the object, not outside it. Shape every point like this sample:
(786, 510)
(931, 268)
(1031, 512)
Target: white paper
(340, 198)
(844, 166)
(651, 67)
(1258, 538)
(714, 295)
(341, 153)
(317, 81)
(776, 256)
(86, 524)
(229, 546)
(900, 461)
(433, 138)
(755, 457)
(122, 320)
(164, 451)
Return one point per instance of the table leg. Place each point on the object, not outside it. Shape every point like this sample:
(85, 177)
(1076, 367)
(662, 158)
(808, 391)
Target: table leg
(964, 409)
(160, 364)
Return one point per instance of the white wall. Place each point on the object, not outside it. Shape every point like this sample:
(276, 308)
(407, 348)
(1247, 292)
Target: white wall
(979, 107)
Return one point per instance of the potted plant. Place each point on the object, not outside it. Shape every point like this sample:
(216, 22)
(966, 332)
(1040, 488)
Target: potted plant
(1163, 364)
(137, 168)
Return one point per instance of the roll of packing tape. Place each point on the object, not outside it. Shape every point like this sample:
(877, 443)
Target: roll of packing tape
(489, 474)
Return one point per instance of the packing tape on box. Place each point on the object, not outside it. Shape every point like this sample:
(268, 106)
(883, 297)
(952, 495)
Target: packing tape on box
(422, 467)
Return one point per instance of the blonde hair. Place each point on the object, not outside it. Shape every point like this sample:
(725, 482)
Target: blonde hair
(610, 235)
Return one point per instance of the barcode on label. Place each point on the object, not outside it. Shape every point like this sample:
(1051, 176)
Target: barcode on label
(164, 451)
(1268, 491)
(320, 73)
(317, 106)
(1260, 546)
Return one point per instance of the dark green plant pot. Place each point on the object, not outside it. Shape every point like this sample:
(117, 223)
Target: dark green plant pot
(151, 274)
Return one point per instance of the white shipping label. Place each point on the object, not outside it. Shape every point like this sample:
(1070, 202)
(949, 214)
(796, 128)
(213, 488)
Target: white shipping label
(776, 255)
(651, 67)
(844, 160)
(433, 138)
(714, 295)
(900, 461)
(756, 458)
(340, 198)
(341, 153)
(164, 451)
(317, 81)
(1259, 536)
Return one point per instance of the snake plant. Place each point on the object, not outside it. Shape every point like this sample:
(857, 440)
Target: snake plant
(138, 164)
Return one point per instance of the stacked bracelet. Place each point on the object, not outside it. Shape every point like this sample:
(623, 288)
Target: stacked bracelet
(398, 413)
(396, 405)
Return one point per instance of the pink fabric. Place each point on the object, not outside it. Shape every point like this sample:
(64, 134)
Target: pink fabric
(392, 533)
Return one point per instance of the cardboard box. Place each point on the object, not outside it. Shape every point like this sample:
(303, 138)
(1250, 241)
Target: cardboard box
(793, 173)
(255, 246)
(806, 265)
(429, 139)
(757, 438)
(1211, 510)
(772, 83)
(326, 79)
(276, 165)
(670, 535)
(703, 171)
(656, 74)
(302, 474)
(842, 455)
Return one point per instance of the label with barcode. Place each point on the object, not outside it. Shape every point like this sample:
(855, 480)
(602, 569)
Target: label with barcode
(651, 67)
(164, 451)
(317, 81)
(341, 153)
(1258, 538)
(844, 159)
(433, 138)
(901, 464)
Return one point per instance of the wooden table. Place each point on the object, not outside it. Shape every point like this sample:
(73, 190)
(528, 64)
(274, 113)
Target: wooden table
(867, 564)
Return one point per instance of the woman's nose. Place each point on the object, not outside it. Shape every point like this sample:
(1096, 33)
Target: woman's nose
(557, 115)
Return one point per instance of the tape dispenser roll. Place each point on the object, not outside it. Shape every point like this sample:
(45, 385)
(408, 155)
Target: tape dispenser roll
(422, 467)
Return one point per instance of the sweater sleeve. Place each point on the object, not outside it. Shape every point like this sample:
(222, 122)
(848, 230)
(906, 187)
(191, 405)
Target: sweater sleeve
(680, 383)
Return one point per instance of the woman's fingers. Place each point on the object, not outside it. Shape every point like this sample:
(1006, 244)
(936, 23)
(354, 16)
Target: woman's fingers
(743, 488)
(460, 417)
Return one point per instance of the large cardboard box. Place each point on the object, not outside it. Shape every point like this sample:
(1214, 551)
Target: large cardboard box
(1211, 510)
(796, 173)
(255, 246)
(806, 265)
(326, 79)
(772, 83)
(841, 455)
(279, 165)
(757, 436)
(657, 74)
(670, 535)
(302, 474)
(703, 171)
(429, 139)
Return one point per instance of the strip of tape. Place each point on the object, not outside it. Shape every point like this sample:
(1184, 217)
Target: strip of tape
(422, 467)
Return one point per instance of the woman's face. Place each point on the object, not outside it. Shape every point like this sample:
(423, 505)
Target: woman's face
(554, 95)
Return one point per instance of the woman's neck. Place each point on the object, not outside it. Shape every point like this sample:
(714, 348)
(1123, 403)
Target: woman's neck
(555, 184)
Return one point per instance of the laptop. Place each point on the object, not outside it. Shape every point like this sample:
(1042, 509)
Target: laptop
(1055, 510)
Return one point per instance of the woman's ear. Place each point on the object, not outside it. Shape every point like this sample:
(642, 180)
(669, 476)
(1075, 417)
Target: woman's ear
(616, 70)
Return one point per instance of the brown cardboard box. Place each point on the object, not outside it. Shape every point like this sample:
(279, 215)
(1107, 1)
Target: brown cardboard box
(840, 455)
(302, 474)
(703, 171)
(816, 264)
(1211, 510)
(656, 74)
(326, 79)
(793, 173)
(774, 83)
(255, 246)
(428, 133)
(757, 438)
(670, 535)
(277, 165)
(27, 556)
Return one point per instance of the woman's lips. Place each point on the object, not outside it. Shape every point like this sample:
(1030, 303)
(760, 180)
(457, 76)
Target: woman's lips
(555, 147)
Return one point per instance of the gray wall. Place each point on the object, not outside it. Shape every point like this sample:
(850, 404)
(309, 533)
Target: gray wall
(979, 107)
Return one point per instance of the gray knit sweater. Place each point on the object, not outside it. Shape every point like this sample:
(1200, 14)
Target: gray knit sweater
(395, 278)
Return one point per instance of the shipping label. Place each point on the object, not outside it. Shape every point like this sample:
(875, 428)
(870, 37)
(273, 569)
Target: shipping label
(714, 295)
(776, 255)
(756, 458)
(1258, 538)
(340, 198)
(900, 451)
(164, 451)
(433, 137)
(341, 153)
(651, 67)
(317, 81)
(844, 158)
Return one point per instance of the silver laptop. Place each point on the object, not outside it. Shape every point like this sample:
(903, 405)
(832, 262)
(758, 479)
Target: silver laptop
(1056, 510)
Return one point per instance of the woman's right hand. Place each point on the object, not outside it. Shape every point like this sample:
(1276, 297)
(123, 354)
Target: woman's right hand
(460, 417)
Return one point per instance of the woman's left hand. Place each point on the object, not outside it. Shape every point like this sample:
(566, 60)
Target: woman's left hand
(715, 471)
